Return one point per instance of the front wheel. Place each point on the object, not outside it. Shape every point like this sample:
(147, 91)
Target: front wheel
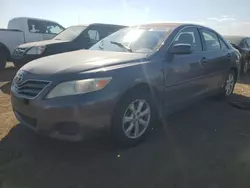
(133, 118)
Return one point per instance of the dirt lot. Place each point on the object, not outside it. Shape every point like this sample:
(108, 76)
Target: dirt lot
(205, 146)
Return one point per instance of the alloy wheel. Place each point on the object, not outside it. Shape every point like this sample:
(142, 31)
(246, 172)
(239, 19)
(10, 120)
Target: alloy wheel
(136, 118)
(245, 68)
(229, 84)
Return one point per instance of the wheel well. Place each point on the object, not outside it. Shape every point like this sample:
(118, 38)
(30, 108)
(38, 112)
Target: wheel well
(5, 50)
(141, 87)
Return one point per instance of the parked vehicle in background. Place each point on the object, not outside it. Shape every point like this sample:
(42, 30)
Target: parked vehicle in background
(22, 30)
(71, 39)
(242, 44)
(124, 82)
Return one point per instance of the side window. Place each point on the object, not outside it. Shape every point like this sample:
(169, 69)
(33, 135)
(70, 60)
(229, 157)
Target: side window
(248, 42)
(211, 40)
(94, 36)
(243, 44)
(34, 26)
(107, 30)
(189, 36)
(52, 28)
(38, 26)
(222, 44)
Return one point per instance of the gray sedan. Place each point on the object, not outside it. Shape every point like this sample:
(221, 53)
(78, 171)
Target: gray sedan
(125, 82)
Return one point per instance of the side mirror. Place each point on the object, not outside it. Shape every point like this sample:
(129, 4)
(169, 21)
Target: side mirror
(181, 49)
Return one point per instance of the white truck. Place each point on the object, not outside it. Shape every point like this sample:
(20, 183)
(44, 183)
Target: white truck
(22, 30)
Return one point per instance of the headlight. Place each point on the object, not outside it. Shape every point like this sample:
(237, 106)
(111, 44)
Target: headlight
(36, 50)
(78, 87)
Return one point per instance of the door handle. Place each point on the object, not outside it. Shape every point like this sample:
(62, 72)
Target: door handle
(203, 60)
(228, 55)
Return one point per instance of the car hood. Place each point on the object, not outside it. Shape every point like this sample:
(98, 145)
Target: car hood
(79, 61)
(41, 43)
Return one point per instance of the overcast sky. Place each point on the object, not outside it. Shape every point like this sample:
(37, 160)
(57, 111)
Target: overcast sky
(226, 16)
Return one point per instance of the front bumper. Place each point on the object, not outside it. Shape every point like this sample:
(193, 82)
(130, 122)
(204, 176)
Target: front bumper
(22, 60)
(67, 118)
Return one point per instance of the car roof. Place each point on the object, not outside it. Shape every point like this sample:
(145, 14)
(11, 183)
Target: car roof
(108, 24)
(167, 25)
(86, 25)
(31, 18)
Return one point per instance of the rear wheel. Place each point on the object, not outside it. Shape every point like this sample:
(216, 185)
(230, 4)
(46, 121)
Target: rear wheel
(228, 85)
(244, 67)
(3, 60)
(133, 118)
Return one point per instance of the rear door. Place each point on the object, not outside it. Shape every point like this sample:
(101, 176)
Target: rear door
(216, 60)
(34, 33)
(184, 72)
(41, 30)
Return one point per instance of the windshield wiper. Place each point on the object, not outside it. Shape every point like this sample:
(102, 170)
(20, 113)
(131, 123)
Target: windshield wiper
(121, 46)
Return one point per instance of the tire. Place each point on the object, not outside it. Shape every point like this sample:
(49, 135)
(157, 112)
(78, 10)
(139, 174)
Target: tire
(3, 60)
(224, 94)
(244, 67)
(124, 112)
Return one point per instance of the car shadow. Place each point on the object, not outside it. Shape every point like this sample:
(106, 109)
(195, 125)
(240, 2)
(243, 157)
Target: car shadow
(5, 88)
(240, 101)
(206, 145)
(7, 74)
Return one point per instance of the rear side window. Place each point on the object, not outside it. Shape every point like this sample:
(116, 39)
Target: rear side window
(98, 32)
(222, 44)
(44, 27)
(248, 42)
(189, 36)
(211, 41)
(243, 43)
(93, 35)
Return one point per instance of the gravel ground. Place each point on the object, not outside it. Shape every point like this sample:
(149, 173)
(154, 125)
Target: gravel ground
(206, 145)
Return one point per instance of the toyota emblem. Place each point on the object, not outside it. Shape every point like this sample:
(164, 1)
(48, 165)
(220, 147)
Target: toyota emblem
(19, 78)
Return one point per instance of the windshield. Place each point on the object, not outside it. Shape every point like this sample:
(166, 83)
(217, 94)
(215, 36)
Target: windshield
(140, 40)
(70, 33)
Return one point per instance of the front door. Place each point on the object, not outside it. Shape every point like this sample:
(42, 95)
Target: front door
(183, 72)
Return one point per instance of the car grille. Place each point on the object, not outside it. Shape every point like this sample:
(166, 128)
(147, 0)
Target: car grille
(19, 51)
(30, 88)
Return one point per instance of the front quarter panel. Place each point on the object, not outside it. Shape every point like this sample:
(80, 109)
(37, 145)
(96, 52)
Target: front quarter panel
(128, 76)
